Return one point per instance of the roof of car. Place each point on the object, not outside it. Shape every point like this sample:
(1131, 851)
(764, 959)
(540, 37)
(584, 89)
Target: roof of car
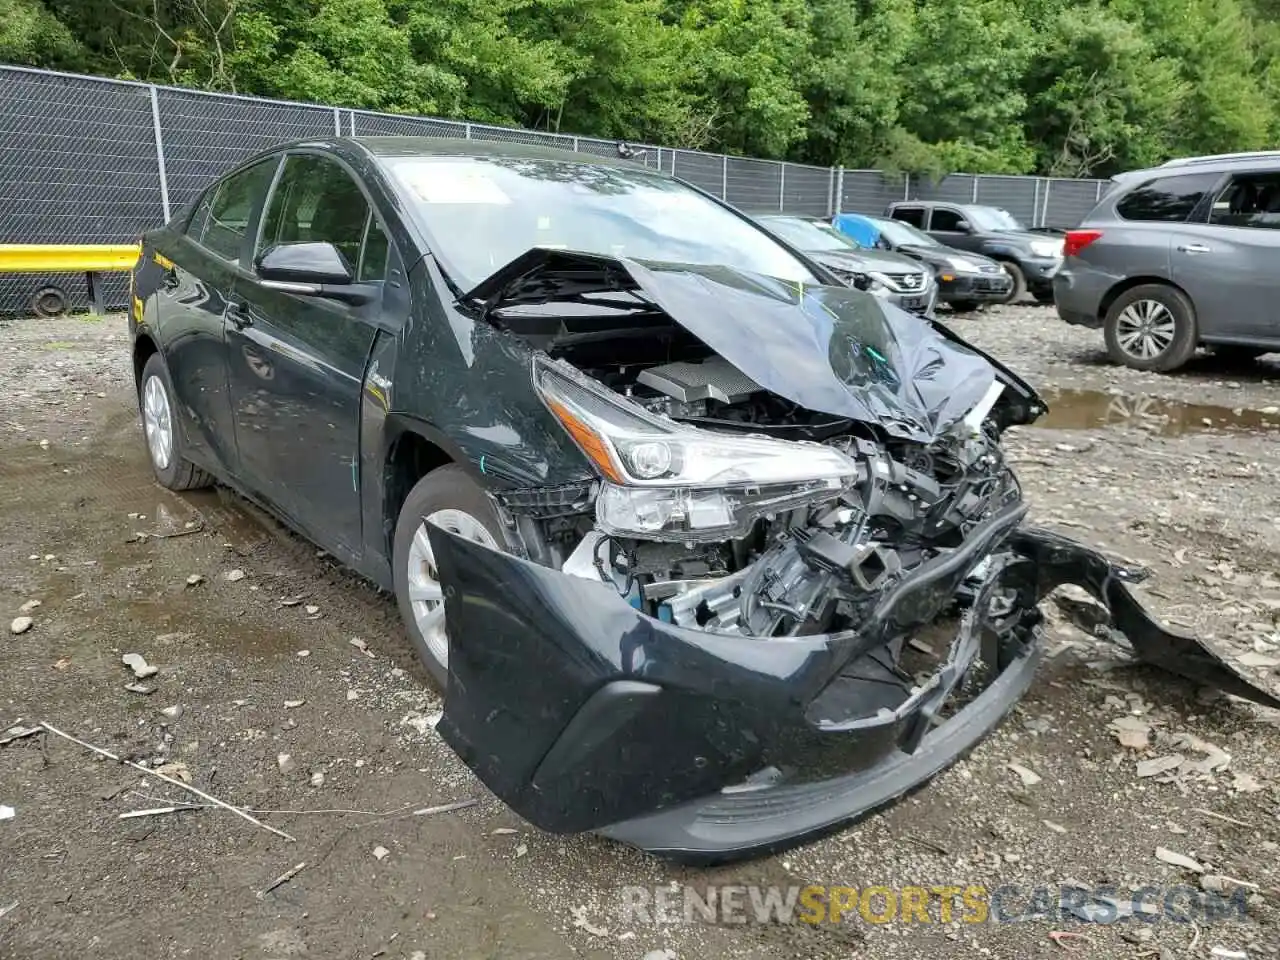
(455, 147)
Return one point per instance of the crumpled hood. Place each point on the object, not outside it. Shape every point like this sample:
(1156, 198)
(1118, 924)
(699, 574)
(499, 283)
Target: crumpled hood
(833, 350)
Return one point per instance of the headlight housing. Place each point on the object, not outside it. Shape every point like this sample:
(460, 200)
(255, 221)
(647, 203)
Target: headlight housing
(1046, 248)
(961, 265)
(667, 481)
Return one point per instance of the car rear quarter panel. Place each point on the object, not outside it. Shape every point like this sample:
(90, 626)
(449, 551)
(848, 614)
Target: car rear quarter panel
(1126, 254)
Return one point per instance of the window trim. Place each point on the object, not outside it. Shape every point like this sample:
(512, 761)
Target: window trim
(371, 207)
(1197, 214)
(947, 208)
(1225, 184)
(255, 212)
(926, 213)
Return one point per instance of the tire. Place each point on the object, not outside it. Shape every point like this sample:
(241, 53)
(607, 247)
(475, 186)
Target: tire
(49, 302)
(173, 471)
(964, 306)
(446, 492)
(1019, 281)
(1044, 297)
(1158, 309)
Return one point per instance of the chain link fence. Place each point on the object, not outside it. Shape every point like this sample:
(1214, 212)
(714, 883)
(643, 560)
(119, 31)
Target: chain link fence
(92, 160)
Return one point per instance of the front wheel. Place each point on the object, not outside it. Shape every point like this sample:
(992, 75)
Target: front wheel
(165, 444)
(449, 498)
(1019, 281)
(1151, 327)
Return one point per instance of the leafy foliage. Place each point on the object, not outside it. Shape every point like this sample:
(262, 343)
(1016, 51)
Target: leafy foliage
(991, 86)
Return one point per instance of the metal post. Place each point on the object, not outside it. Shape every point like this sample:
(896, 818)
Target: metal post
(782, 187)
(351, 121)
(1097, 193)
(831, 191)
(337, 122)
(1035, 200)
(906, 186)
(974, 198)
(673, 163)
(1044, 210)
(724, 177)
(466, 130)
(575, 144)
(155, 130)
(97, 303)
(839, 189)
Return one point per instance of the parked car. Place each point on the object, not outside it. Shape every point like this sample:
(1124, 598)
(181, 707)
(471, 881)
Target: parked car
(1031, 259)
(964, 279)
(658, 499)
(897, 279)
(1177, 256)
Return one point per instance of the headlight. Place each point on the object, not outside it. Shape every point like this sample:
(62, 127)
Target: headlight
(961, 265)
(667, 481)
(1046, 248)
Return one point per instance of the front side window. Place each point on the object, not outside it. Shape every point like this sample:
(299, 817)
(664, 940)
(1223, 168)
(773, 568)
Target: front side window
(992, 218)
(911, 215)
(230, 206)
(316, 200)
(1166, 199)
(480, 213)
(946, 221)
(1249, 200)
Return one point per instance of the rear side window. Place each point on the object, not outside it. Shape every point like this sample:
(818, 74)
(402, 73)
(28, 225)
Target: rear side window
(229, 208)
(1249, 200)
(911, 215)
(1167, 199)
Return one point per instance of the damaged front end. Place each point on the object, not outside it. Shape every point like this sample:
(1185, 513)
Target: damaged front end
(794, 585)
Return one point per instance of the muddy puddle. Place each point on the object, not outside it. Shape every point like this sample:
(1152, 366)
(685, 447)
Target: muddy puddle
(1090, 409)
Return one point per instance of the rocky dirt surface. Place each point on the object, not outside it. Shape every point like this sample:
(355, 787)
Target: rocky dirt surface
(284, 684)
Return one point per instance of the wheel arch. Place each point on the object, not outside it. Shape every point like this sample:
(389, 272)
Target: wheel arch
(1129, 283)
(144, 347)
(413, 448)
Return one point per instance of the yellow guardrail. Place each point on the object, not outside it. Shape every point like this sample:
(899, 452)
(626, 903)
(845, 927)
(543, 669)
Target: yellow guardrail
(90, 259)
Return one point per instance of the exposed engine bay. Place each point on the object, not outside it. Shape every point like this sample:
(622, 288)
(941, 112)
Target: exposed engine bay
(785, 578)
(808, 560)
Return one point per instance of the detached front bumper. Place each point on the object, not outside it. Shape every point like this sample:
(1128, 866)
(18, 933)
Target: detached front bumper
(584, 714)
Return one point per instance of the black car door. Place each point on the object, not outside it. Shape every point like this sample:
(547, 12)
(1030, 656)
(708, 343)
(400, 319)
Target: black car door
(297, 361)
(199, 277)
(948, 225)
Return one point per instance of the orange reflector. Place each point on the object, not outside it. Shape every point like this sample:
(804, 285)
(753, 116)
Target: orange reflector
(947, 277)
(588, 440)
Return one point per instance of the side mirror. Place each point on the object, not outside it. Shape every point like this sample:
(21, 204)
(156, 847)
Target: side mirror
(963, 227)
(312, 262)
(312, 269)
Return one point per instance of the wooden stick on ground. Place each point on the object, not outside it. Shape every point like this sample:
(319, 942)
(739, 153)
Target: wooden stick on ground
(169, 780)
(283, 878)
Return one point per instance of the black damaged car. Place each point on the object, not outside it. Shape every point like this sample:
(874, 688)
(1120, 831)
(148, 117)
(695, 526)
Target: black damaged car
(660, 500)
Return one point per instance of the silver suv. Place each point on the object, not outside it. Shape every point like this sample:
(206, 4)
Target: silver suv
(1180, 255)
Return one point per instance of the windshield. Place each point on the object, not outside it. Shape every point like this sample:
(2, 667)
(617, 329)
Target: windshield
(992, 218)
(480, 213)
(904, 234)
(808, 235)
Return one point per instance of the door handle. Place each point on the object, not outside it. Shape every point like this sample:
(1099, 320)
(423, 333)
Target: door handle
(238, 313)
(1194, 248)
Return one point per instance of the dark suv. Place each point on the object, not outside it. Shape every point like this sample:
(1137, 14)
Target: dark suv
(1031, 259)
(1180, 255)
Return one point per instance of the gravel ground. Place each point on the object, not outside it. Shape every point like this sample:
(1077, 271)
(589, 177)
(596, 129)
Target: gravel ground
(264, 699)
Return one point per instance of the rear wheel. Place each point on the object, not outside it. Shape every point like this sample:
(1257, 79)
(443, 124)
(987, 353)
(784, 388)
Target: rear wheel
(1019, 281)
(165, 444)
(449, 498)
(1151, 327)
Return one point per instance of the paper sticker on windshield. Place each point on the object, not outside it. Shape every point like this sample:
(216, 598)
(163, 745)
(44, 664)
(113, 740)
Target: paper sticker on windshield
(437, 183)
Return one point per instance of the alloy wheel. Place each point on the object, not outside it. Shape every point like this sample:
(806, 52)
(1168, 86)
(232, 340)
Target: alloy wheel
(425, 592)
(1145, 329)
(157, 420)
